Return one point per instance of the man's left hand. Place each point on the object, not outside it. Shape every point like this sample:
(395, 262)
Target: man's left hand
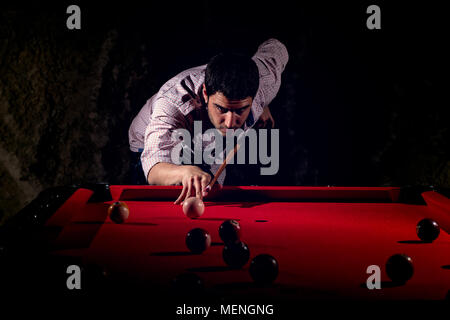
(265, 120)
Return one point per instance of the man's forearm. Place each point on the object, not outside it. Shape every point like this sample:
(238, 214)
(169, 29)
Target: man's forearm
(164, 173)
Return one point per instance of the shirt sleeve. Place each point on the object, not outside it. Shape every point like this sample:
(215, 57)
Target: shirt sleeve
(158, 143)
(138, 126)
(271, 59)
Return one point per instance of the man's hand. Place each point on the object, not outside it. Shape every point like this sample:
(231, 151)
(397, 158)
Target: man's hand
(265, 120)
(194, 181)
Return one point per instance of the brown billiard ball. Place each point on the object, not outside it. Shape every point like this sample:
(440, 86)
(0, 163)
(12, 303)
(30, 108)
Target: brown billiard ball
(193, 207)
(399, 268)
(427, 230)
(118, 212)
(264, 269)
(198, 240)
(236, 255)
(230, 231)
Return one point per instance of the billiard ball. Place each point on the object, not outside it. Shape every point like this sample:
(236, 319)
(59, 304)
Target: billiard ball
(193, 207)
(198, 240)
(188, 283)
(236, 255)
(118, 212)
(230, 231)
(427, 230)
(264, 269)
(399, 268)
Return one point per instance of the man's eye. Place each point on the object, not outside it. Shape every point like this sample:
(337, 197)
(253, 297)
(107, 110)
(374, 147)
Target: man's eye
(222, 110)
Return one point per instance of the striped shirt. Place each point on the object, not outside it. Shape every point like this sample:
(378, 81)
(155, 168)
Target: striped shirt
(179, 103)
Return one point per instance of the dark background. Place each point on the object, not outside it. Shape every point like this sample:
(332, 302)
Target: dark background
(356, 106)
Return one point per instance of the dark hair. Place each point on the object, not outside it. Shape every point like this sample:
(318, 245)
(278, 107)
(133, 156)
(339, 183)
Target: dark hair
(235, 76)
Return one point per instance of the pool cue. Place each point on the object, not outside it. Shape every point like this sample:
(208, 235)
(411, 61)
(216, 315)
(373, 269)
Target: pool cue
(222, 166)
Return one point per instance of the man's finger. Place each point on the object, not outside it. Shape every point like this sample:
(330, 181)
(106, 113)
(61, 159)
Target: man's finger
(198, 188)
(205, 186)
(189, 190)
(181, 196)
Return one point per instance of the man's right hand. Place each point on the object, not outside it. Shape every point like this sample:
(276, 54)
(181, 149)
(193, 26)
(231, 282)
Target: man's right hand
(194, 181)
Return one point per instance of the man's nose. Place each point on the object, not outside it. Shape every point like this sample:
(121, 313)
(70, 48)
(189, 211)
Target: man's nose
(229, 119)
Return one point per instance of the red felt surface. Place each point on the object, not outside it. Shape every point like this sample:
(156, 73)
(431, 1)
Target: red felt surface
(323, 248)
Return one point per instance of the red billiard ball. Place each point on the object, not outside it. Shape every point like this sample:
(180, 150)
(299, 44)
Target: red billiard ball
(230, 231)
(193, 207)
(118, 212)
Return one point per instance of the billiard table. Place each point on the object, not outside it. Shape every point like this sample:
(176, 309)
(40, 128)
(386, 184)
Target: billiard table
(323, 238)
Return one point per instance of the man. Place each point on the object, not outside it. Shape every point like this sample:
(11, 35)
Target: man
(230, 92)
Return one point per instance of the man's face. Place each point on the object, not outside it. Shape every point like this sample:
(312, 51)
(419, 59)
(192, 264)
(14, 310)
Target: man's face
(227, 114)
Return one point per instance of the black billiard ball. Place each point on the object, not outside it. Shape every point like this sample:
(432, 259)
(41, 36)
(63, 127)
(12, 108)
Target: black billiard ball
(198, 240)
(188, 283)
(399, 268)
(427, 230)
(118, 212)
(230, 231)
(236, 254)
(264, 269)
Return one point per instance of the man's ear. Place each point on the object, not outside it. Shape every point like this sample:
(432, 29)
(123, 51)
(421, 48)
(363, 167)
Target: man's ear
(205, 96)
